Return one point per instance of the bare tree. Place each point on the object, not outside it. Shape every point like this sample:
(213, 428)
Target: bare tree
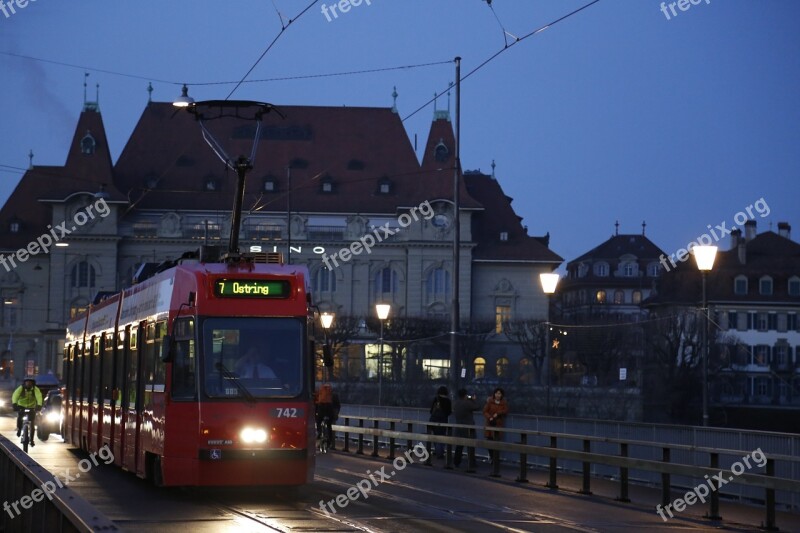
(530, 335)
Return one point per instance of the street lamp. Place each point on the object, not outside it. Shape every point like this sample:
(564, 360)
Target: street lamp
(383, 314)
(704, 256)
(326, 319)
(549, 281)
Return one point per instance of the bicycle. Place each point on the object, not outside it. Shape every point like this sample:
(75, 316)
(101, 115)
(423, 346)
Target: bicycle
(27, 432)
(324, 435)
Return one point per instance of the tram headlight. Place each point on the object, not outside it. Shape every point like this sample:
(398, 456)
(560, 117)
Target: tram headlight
(253, 435)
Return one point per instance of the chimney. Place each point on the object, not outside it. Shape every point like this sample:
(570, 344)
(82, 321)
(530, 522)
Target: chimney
(749, 230)
(784, 230)
(736, 236)
(742, 251)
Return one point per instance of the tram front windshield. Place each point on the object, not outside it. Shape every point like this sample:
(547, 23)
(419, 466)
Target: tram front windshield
(262, 356)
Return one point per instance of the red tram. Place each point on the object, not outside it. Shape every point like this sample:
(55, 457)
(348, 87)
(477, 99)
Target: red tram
(155, 374)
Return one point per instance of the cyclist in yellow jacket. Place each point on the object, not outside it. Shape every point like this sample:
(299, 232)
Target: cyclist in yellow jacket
(27, 396)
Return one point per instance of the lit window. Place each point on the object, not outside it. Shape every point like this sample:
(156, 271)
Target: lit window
(479, 366)
(502, 315)
(600, 297)
(636, 297)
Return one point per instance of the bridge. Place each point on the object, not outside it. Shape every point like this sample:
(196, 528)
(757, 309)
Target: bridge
(551, 474)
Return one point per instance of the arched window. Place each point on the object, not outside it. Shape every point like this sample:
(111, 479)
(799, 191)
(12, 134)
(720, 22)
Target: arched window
(479, 367)
(636, 297)
(325, 280)
(600, 297)
(88, 144)
(503, 368)
(82, 275)
(526, 372)
(437, 285)
(619, 297)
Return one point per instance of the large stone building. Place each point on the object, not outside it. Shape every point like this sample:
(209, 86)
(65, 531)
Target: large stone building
(322, 178)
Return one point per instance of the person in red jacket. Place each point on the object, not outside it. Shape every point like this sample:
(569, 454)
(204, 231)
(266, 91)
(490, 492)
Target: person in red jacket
(494, 412)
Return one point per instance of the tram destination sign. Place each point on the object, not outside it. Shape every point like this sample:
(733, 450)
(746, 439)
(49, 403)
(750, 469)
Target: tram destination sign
(251, 288)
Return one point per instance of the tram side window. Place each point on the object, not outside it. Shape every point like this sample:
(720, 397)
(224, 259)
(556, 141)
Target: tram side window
(184, 361)
(96, 351)
(159, 368)
(133, 369)
(107, 366)
(86, 367)
(119, 370)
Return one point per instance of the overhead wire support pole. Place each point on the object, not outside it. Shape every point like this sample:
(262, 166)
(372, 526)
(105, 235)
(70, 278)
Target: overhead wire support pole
(455, 320)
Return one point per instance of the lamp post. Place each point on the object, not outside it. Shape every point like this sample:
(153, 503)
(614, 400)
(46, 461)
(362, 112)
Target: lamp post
(549, 281)
(326, 319)
(383, 314)
(704, 256)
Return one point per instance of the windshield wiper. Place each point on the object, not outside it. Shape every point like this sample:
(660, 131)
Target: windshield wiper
(231, 376)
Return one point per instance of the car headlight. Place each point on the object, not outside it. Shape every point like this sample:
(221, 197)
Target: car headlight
(53, 417)
(253, 435)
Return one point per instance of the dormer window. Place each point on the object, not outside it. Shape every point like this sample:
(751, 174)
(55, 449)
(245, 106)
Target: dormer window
(440, 152)
(326, 185)
(211, 184)
(601, 270)
(270, 184)
(794, 286)
(503, 236)
(384, 186)
(88, 144)
(14, 227)
(740, 285)
(765, 286)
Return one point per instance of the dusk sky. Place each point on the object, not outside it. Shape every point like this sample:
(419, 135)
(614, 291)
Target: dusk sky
(619, 112)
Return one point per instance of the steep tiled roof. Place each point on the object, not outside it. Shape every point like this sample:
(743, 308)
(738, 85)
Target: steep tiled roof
(86, 173)
(619, 245)
(766, 254)
(496, 217)
(166, 161)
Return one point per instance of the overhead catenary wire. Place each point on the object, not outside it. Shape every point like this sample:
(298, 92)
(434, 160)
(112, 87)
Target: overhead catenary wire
(507, 47)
